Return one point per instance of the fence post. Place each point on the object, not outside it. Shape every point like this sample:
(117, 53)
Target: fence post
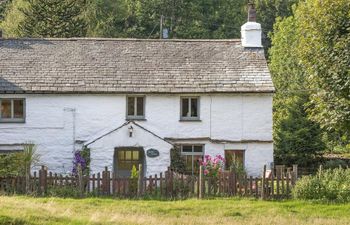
(263, 183)
(139, 181)
(295, 174)
(201, 182)
(80, 180)
(106, 181)
(232, 183)
(43, 179)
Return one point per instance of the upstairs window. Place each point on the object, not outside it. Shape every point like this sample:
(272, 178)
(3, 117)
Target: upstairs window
(135, 106)
(12, 110)
(190, 108)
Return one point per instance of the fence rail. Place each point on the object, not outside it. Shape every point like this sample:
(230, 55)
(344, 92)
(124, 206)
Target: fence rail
(274, 184)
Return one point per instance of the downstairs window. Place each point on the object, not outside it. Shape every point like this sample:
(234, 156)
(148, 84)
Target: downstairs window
(192, 155)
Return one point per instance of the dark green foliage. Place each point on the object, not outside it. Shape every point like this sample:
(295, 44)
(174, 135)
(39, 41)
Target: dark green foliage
(268, 11)
(324, 50)
(3, 7)
(184, 19)
(326, 185)
(298, 140)
(11, 164)
(177, 162)
(53, 18)
(335, 163)
(310, 58)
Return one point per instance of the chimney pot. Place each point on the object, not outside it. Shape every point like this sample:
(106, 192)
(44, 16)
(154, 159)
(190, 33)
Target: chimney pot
(251, 13)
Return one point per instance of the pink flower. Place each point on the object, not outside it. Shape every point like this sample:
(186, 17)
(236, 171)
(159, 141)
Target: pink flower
(206, 172)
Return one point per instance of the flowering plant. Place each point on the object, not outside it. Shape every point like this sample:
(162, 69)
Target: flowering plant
(78, 159)
(213, 166)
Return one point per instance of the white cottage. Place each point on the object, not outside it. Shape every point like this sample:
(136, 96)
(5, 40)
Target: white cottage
(131, 101)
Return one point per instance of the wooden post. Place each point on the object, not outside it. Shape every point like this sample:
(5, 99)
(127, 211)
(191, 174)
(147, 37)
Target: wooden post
(295, 174)
(272, 182)
(104, 181)
(288, 180)
(156, 184)
(80, 180)
(43, 179)
(201, 182)
(98, 183)
(232, 182)
(161, 183)
(263, 183)
(139, 182)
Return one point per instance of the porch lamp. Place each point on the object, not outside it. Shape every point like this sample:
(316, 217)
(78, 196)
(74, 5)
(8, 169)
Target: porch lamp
(131, 130)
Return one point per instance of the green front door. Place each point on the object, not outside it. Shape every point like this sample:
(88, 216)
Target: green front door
(125, 158)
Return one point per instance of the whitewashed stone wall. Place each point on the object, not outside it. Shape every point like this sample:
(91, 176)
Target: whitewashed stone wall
(102, 150)
(53, 122)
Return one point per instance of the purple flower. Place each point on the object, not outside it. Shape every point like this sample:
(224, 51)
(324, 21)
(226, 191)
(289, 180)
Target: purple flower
(78, 159)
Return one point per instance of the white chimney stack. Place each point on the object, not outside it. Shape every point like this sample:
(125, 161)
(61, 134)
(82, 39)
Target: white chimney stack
(251, 30)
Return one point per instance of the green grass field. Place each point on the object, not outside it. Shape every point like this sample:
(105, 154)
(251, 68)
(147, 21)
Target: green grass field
(26, 210)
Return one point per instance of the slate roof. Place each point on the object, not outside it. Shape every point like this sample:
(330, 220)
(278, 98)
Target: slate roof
(83, 65)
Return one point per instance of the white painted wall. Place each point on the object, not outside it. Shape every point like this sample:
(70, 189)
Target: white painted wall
(234, 117)
(102, 150)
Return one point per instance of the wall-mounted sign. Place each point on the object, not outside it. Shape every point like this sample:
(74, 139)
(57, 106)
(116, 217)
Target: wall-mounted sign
(152, 153)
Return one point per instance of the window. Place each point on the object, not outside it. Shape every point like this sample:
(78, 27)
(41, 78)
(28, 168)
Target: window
(192, 154)
(128, 158)
(12, 110)
(234, 157)
(190, 108)
(135, 107)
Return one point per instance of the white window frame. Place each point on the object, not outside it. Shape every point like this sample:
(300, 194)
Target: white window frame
(190, 118)
(135, 116)
(12, 119)
(193, 153)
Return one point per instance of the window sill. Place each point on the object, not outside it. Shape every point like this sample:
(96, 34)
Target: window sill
(136, 119)
(190, 120)
(12, 121)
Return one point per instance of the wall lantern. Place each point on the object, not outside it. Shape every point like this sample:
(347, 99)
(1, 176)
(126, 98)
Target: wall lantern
(131, 131)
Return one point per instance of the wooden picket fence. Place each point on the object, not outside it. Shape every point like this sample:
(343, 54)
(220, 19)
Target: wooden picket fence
(274, 184)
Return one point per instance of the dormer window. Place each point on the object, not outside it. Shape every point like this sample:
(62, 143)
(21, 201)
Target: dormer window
(189, 108)
(135, 107)
(12, 110)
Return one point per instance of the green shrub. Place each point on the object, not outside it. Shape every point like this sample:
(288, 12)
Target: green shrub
(11, 164)
(331, 185)
(335, 163)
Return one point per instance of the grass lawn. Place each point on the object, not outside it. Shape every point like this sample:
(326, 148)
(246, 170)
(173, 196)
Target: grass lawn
(26, 210)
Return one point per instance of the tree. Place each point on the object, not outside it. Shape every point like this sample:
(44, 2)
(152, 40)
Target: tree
(104, 18)
(267, 12)
(53, 18)
(297, 139)
(3, 6)
(12, 17)
(324, 51)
